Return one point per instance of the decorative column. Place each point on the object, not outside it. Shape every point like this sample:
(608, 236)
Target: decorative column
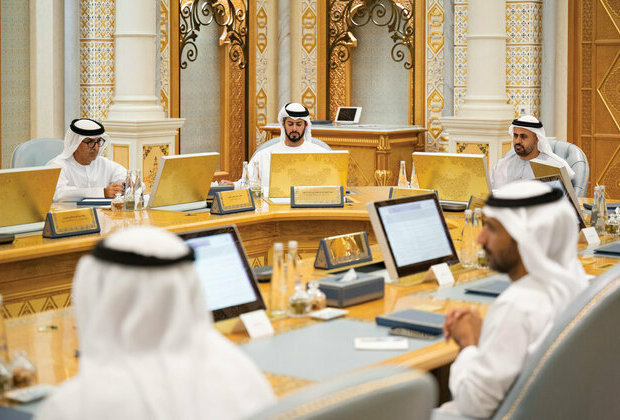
(137, 124)
(483, 120)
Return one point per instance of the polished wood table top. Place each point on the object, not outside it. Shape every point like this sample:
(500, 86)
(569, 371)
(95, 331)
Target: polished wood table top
(51, 341)
(30, 246)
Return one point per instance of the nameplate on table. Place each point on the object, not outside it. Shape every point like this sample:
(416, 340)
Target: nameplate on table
(397, 192)
(342, 251)
(441, 273)
(589, 236)
(59, 224)
(235, 201)
(314, 197)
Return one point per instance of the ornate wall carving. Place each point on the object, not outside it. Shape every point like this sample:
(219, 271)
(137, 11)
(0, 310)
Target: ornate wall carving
(164, 54)
(97, 24)
(434, 74)
(309, 52)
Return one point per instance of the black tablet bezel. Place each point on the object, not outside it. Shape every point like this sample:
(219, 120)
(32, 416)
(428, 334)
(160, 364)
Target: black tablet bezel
(236, 310)
(423, 265)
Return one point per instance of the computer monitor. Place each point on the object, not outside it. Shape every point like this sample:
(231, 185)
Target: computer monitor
(182, 182)
(307, 169)
(348, 114)
(455, 176)
(27, 195)
(412, 234)
(556, 181)
(224, 273)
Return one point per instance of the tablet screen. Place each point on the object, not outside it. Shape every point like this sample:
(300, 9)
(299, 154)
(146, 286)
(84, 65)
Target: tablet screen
(224, 273)
(415, 232)
(412, 233)
(346, 114)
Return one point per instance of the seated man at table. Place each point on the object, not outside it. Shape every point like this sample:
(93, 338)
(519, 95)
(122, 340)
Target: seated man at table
(84, 171)
(295, 137)
(530, 234)
(529, 142)
(148, 347)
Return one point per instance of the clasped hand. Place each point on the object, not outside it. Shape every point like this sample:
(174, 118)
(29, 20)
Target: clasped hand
(464, 326)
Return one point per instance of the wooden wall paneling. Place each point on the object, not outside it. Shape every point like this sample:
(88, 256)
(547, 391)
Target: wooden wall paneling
(593, 121)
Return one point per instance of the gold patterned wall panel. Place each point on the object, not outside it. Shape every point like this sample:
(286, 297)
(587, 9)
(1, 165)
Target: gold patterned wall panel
(472, 148)
(593, 98)
(164, 54)
(151, 156)
(434, 74)
(120, 154)
(97, 20)
(309, 54)
(261, 69)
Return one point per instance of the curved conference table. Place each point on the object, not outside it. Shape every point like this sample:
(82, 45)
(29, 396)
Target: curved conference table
(35, 268)
(37, 272)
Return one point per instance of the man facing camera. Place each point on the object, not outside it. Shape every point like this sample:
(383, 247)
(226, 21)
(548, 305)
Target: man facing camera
(530, 234)
(529, 142)
(84, 171)
(295, 137)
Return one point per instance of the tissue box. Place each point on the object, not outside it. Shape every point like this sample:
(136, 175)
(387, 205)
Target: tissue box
(341, 294)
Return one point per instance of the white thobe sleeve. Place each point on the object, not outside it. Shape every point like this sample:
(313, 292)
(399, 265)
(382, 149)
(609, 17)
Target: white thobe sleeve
(481, 375)
(498, 178)
(66, 192)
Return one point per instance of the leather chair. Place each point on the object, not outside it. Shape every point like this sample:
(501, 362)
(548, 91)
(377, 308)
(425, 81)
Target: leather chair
(387, 393)
(36, 152)
(577, 160)
(277, 139)
(575, 373)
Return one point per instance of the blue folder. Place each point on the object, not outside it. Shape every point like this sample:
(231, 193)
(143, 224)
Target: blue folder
(426, 322)
(609, 249)
(491, 288)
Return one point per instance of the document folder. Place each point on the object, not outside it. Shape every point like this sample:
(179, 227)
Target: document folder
(426, 322)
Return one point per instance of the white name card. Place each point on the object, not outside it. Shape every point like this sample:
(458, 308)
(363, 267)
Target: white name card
(589, 236)
(257, 323)
(441, 273)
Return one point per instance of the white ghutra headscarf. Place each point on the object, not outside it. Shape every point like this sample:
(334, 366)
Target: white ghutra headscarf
(148, 347)
(544, 225)
(295, 111)
(532, 124)
(81, 129)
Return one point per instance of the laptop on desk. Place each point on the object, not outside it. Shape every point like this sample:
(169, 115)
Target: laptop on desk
(306, 169)
(182, 182)
(27, 195)
(455, 177)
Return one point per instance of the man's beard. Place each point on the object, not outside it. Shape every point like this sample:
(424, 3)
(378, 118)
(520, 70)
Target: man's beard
(523, 151)
(295, 140)
(502, 262)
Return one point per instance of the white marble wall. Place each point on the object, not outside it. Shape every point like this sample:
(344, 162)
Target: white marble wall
(379, 84)
(200, 95)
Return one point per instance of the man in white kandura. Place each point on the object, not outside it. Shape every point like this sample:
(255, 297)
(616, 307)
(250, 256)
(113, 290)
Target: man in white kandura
(148, 347)
(530, 233)
(529, 142)
(84, 171)
(295, 137)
